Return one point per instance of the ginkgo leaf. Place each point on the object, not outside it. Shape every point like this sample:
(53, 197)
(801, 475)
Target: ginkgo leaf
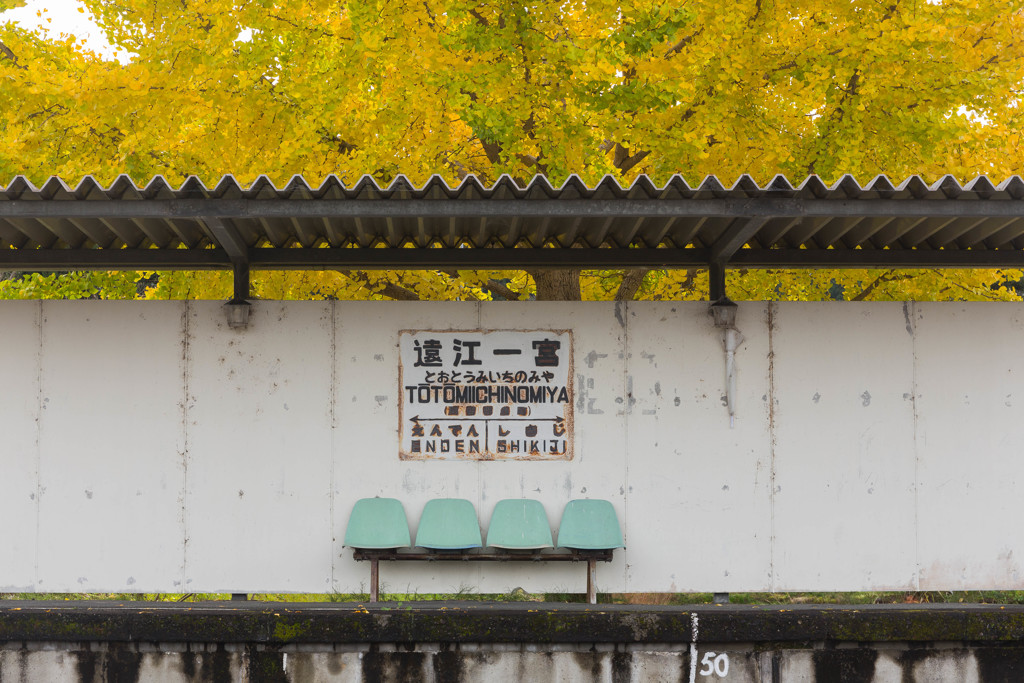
(459, 87)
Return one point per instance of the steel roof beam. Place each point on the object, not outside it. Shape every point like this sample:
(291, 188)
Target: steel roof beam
(877, 258)
(114, 259)
(737, 234)
(228, 238)
(235, 247)
(486, 259)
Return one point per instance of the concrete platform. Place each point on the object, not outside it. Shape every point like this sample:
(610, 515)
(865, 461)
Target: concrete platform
(477, 641)
(277, 623)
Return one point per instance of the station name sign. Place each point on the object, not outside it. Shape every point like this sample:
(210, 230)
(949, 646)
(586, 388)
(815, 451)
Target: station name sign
(485, 395)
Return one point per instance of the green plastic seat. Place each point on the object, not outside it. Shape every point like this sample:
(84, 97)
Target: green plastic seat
(589, 525)
(377, 524)
(448, 524)
(519, 524)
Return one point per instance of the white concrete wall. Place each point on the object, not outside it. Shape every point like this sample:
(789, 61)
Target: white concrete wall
(145, 446)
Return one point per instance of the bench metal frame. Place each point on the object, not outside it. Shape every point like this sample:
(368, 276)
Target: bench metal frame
(591, 557)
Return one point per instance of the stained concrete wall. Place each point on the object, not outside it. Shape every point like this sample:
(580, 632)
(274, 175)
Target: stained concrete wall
(468, 663)
(148, 447)
(450, 641)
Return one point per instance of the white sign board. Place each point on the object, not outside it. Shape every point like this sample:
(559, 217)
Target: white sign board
(485, 395)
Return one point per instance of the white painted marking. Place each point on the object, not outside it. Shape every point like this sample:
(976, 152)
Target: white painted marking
(693, 647)
(714, 664)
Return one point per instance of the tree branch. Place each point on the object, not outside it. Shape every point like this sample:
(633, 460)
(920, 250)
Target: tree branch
(880, 280)
(480, 19)
(678, 47)
(498, 289)
(624, 161)
(848, 92)
(6, 52)
(631, 282)
(492, 286)
(492, 150)
(388, 289)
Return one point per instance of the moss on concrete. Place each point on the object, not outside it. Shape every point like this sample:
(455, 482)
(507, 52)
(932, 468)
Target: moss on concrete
(280, 624)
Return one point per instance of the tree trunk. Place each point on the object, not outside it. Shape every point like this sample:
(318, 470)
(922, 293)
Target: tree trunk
(557, 284)
(631, 281)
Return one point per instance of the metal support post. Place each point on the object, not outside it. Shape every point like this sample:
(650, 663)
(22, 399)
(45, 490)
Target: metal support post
(241, 282)
(716, 281)
(227, 238)
(374, 580)
(592, 580)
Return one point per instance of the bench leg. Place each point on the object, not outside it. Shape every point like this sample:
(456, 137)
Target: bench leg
(374, 580)
(592, 581)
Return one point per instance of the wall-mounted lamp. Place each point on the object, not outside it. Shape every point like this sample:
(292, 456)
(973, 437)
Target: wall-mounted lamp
(238, 313)
(724, 313)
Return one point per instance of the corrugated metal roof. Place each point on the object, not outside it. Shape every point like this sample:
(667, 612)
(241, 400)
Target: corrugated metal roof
(302, 225)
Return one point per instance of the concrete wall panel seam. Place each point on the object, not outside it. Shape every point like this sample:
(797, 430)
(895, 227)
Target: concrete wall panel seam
(871, 447)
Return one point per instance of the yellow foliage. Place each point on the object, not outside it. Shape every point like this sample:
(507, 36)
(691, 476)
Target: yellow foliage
(452, 87)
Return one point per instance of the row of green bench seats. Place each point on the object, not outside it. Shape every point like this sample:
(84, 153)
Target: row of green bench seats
(519, 530)
(449, 524)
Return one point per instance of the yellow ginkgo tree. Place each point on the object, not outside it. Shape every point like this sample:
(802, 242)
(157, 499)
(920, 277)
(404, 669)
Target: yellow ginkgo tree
(457, 87)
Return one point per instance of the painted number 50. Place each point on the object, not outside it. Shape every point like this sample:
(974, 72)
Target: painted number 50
(714, 665)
